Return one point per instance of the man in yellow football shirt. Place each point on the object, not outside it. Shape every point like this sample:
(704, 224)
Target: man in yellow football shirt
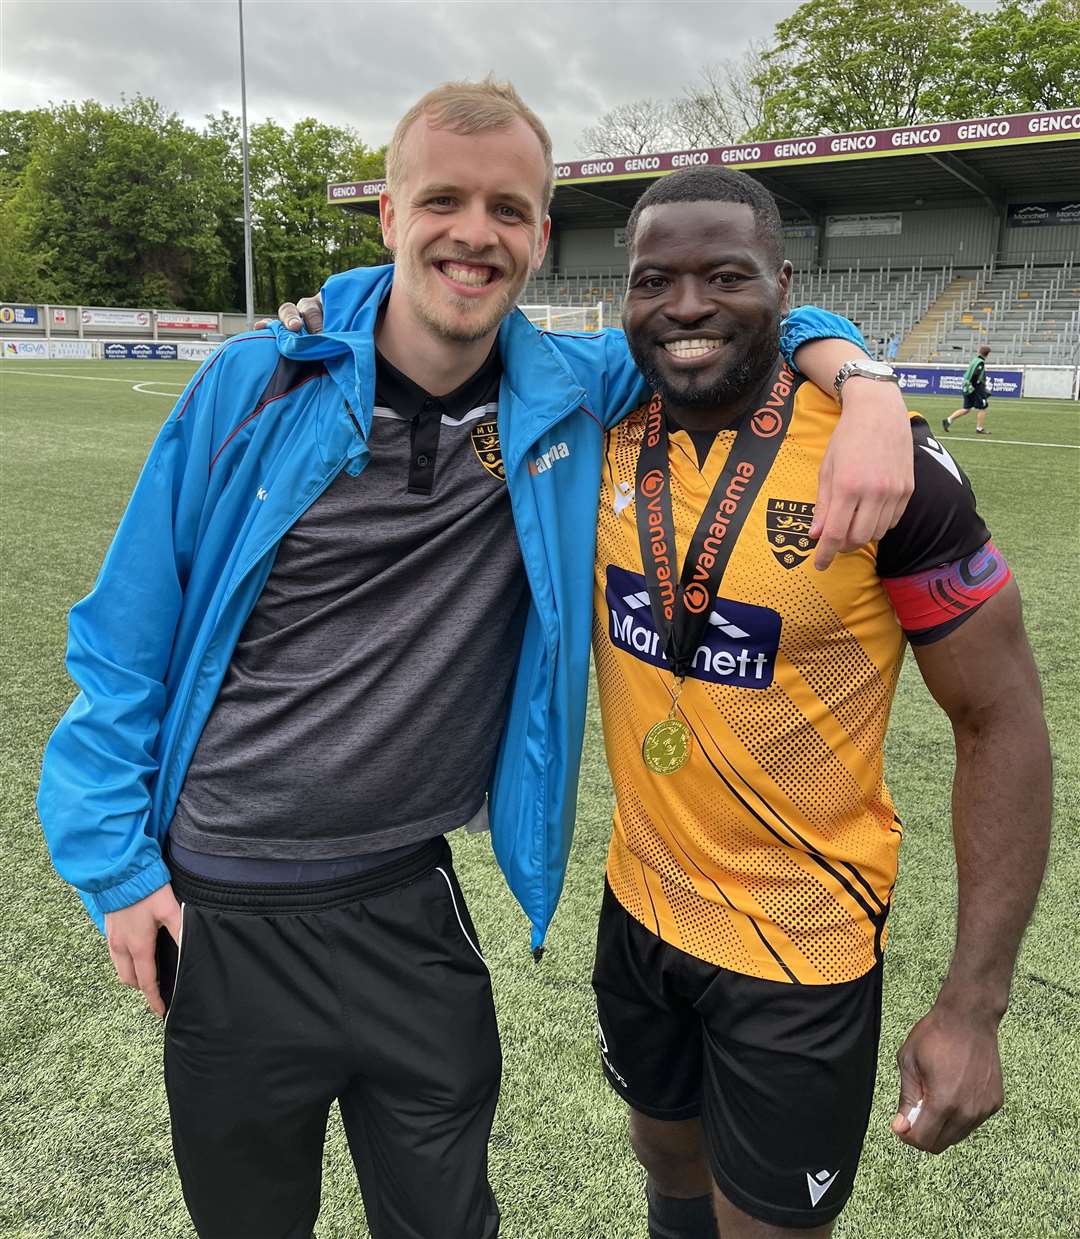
(745, 702)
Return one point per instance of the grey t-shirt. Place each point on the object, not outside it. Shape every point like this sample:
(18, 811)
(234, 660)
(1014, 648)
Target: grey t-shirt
(365, 698)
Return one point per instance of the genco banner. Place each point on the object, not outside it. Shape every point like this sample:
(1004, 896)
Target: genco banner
(949, 381)
(126, 351)
(861, 144)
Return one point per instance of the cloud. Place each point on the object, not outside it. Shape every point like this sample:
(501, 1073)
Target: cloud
(363, 64)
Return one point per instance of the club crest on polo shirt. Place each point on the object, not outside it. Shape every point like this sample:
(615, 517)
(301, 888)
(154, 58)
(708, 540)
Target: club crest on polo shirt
(738, 647)
(486, 445)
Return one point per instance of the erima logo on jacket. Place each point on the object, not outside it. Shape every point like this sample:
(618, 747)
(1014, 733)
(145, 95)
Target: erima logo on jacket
(541, 464)
(739, 646)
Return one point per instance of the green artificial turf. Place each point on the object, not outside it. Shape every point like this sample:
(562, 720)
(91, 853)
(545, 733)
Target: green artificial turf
(84, 1139)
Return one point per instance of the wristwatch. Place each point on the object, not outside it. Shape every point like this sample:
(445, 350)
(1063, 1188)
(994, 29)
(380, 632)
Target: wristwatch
(864, 368)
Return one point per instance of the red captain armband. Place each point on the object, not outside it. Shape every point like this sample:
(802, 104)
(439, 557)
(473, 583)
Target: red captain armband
(930, 604)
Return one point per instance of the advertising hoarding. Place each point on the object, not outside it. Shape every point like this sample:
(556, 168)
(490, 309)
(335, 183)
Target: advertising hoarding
(18, 316)
(81, 349)
(862, 144)
(26, 348)
(126, 350)
(182, 321)
(883, 224)
(1042, 214)
(116, 318)
(194, 350)
(949, 381)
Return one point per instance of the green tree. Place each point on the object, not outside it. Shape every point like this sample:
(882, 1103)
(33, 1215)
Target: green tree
(22, 265)
(1024, 56)
(839, 65)
(299, 238)
(117, 201)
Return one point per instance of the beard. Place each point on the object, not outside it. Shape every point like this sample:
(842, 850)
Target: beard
(435, 308)
(751, 365)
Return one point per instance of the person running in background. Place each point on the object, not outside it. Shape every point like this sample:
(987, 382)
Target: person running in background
(976, 393)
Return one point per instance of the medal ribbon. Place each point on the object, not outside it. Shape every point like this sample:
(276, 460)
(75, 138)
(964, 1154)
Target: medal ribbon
(681, 606)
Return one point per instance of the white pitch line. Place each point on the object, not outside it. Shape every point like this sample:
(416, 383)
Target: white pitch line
(142, 388)
(94, 378)
(55, 374)
(1012, 442)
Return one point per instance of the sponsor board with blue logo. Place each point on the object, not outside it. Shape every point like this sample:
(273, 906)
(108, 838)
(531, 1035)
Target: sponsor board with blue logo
(18, 315)
(949, 381)
(116, 350)
(738, 647)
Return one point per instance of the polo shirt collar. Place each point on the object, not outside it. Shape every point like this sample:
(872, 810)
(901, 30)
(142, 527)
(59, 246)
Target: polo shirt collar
(397, 391)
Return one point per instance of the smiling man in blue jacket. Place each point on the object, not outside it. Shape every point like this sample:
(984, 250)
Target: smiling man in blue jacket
(346, 611)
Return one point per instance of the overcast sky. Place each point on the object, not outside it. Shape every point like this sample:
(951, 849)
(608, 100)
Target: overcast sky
(363, 64)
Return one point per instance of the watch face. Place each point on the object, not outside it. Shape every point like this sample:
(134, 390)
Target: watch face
(873, 367)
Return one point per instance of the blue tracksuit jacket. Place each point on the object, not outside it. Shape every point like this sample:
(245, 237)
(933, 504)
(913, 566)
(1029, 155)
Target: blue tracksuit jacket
(231, 470)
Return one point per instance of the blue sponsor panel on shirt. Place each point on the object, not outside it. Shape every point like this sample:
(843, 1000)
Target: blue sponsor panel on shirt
(117, 350)
(739, 645)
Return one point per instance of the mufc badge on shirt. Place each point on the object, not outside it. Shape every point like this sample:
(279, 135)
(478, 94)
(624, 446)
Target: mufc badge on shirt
(787, 522)
(485, 441)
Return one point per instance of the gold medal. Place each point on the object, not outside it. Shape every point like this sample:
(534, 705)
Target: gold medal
(666, 747)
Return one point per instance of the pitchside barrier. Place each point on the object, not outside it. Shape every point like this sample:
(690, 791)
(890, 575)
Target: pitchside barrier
(107, 350)
(91, 322)
(1009, 383)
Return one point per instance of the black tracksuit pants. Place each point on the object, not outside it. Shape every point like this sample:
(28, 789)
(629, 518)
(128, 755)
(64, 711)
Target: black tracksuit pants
(369, 990)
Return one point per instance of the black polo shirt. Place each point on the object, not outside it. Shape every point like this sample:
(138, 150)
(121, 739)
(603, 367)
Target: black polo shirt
(364, 701)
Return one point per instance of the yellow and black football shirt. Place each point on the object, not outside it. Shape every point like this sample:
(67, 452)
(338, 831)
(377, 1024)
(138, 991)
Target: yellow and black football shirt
(773, 851)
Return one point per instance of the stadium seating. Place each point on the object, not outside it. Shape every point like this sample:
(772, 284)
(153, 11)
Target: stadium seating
(1027, 314)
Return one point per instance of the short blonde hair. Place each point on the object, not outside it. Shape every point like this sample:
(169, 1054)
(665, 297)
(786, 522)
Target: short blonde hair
(469, 107)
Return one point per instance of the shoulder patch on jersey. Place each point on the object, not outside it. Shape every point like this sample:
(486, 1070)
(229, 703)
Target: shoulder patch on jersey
(934, 449)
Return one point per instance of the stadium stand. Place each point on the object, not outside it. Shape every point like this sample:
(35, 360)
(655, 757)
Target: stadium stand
(933, 238)
(1026, 314)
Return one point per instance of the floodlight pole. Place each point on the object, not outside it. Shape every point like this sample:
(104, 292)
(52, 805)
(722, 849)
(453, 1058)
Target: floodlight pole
(248, 286)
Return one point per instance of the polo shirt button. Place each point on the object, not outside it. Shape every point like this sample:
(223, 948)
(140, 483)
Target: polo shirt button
(422, 461)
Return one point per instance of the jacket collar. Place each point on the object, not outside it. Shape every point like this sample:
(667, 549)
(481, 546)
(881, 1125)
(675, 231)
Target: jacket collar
(540, 387)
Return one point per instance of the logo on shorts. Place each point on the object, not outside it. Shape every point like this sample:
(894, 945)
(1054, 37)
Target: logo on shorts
(485, 441)
(787, 524)
(604, 1053)
(820, 1183)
